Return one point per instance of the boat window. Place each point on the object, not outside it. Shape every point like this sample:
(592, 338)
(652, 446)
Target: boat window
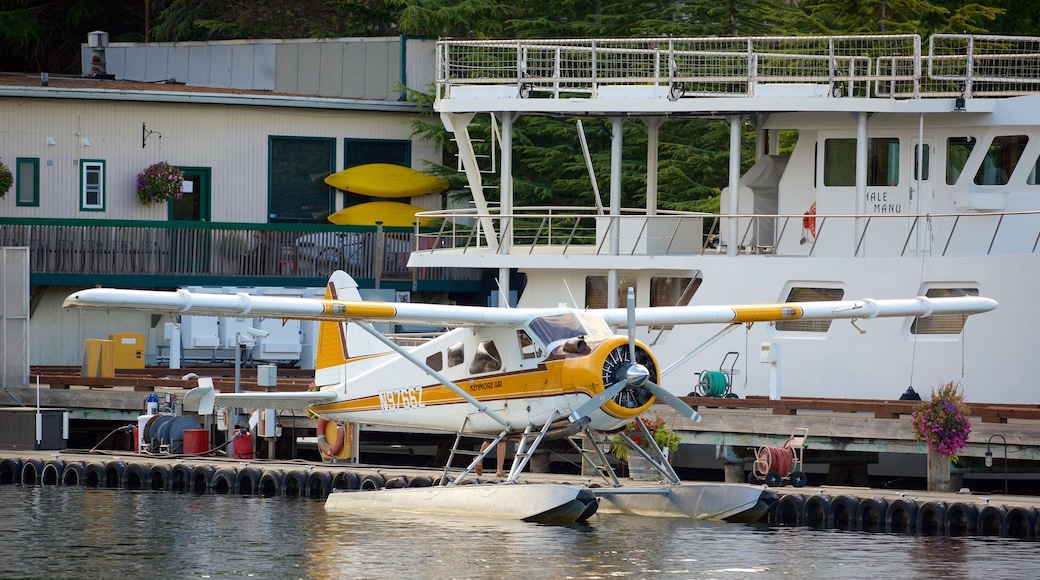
(456, 354)
(1031, 179)
(957, 151)
(672, 292)
(435, 361)
(1001, 158)
(528, 349)
(839, 162)
(487, 358)
(596, 290)
(943, 323)
(809, 295)
(549, 329)
(924, 153)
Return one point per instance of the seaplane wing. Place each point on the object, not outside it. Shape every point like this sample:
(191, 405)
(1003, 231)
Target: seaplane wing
(825, 310)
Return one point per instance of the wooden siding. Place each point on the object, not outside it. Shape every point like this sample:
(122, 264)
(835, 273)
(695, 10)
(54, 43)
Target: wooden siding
(231, 140)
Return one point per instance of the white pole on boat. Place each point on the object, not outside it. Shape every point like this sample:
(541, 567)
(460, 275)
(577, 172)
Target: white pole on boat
(653, 126)
(506, 204)
(920, 178)
(734, 184)
(615, 207)
(861, 178)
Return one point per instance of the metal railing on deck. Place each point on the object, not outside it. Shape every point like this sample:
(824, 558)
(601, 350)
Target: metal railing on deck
(844, 66)
(577, 230)
(214, 250)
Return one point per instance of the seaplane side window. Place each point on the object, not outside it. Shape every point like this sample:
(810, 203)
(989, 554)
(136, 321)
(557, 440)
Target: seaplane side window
(436, 360)
(1001, 158)
(839, 162)
(803, 294)
(528, 349)
(456, 354)
(943, 323)
(958, 149)
(486, 359)
(596, 290)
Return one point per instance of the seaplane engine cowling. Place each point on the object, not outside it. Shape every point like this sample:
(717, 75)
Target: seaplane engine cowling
(618, 367)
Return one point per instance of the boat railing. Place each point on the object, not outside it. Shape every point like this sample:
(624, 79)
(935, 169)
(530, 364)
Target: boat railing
(888, 66)
(561, 230)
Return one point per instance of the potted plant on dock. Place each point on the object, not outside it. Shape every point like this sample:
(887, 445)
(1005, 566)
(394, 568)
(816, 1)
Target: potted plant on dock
(638, 467)
(942, 422)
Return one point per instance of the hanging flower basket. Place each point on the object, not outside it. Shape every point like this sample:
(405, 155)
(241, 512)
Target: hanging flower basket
(6, 179)
(159, 183)
(943, 421)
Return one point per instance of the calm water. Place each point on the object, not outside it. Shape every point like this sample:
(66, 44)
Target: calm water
(79, 532)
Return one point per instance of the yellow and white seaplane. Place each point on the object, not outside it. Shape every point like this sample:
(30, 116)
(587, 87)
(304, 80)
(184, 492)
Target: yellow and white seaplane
(525, 374)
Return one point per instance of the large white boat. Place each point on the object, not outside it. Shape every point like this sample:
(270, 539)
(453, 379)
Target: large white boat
(914, 173)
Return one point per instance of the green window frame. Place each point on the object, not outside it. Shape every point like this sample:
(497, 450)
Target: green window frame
(91, 185)
(839, 162)
(27, 181)
(297, 167)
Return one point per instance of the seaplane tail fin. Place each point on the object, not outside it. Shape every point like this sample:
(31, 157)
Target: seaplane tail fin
(342, 343)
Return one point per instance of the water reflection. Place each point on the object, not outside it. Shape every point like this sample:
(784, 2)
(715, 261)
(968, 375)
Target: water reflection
(74, 532)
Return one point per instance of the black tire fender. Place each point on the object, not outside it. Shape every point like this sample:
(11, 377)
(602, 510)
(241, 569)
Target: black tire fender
(135, 476)
(931, 518)
(787, 511)
(271, 483)
(73, 473)
(159, 478)
(371, 482)
(816, 513)
(962, 519)
(844, 509)
(223, 480)
(10, 471)
(52, 471)
(247, 481)
(319, 484)
(32, 470)
(1020, 522)
(870, 514)
(347, 480)
(294, 484)
(991, 520)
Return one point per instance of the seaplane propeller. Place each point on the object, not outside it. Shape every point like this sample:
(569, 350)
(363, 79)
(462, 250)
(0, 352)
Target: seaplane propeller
(631, 374)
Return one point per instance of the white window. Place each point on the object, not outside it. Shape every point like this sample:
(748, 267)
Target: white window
(92, 185)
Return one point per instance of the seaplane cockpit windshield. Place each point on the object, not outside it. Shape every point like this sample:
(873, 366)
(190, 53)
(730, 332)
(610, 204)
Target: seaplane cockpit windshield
(550, 329)
(559, 327)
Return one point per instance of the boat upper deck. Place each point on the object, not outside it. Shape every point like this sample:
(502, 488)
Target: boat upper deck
(716, 76)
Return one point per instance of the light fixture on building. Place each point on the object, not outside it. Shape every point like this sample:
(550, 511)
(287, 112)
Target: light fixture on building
(86, 142)
(51, 141)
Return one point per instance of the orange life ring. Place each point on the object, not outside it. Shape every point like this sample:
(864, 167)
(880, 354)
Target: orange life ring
(336, 447)
(809, 220)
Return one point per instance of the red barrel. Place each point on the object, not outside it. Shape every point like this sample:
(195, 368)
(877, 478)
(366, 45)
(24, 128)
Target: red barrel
(244, 446)
(196, 441)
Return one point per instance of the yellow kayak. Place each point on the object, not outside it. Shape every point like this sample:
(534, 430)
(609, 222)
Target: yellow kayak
(391, 213)
(385, 180)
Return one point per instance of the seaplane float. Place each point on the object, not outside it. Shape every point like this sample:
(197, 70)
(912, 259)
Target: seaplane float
(527, 374)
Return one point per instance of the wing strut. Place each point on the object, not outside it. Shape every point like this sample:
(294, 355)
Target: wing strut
(443, 379)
